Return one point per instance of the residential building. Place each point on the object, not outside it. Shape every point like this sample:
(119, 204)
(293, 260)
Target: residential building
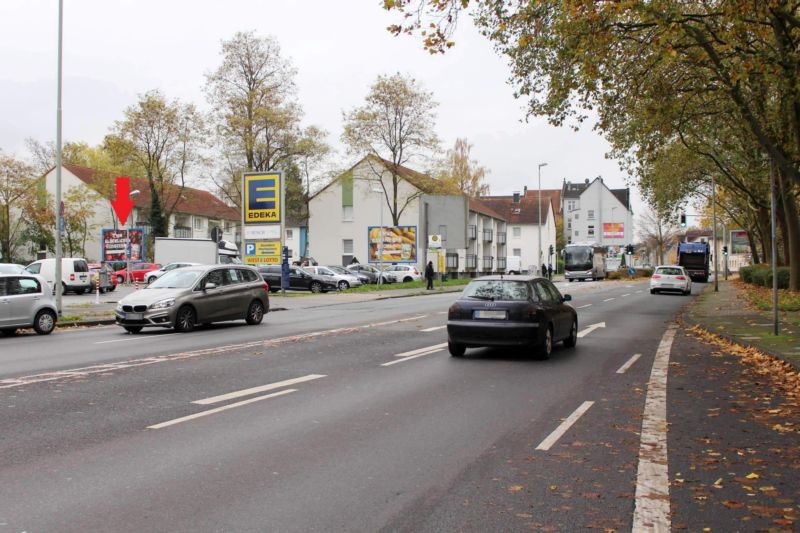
(594, 213)
(194, 212)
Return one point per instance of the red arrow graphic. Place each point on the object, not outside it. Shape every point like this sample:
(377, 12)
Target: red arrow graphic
(123, 204)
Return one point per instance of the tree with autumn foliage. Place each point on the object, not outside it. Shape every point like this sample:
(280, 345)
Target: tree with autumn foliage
(464, 173)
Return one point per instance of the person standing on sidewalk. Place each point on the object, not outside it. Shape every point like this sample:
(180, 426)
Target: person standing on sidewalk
(429, 275)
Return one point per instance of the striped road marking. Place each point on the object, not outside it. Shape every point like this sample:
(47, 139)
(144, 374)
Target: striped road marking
(256, 390)
(551, 439)
(219, 409)
(426, 330)
(630, 362)
(651, 512)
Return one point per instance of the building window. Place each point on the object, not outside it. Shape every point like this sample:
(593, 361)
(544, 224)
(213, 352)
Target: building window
(443, 232)
(576, 216)
(347, 251)
(571, 205)
(569, 224)
(517, 252)
(228, 226)
(288, 234)
(347, 213)
(577, 233)
(516, 232)
(590, 233)
(198, 223)
(590, 214)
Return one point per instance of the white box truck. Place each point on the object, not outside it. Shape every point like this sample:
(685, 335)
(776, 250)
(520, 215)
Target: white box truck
(173, 250)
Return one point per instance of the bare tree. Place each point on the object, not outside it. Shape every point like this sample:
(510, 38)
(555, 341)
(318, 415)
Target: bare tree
(657, 231)
(395, 125)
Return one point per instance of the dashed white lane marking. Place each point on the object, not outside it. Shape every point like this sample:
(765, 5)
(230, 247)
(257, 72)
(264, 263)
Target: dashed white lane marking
(609, 299)
(137, 338)
(630, 362)
(413, 354)
(624, 295)
(581, 307)
(82, 372)
(426, 330)
(590, 329)
(551, 439)
(255, 390)
(442, 313)
(651, 512)
(637, 292)
(218, 409)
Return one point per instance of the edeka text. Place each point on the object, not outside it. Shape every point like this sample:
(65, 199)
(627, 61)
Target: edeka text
(262, 215)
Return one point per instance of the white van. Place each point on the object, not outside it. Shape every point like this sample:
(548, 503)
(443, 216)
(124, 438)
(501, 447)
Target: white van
(75, 275)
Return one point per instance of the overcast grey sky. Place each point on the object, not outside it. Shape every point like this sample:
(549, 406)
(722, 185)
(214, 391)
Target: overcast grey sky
(117, 49)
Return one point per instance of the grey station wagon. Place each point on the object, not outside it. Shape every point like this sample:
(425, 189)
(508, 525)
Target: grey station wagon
(26, 301)
(185, 297)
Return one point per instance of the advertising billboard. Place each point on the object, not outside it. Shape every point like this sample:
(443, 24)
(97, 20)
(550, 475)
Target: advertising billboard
(739, 242)
(399, 244)
(613, 230)
(262, 197)
(122, 244)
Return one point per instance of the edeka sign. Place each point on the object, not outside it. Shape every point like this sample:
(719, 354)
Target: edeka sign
(262, 197)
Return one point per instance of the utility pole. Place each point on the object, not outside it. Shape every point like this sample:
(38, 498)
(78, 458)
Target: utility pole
(59, 209)
(714, 224)
(539, 215)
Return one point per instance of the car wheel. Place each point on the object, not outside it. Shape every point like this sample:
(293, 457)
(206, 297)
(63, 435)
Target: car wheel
(571, 280)
(10, 332)
(273, 290)
(185, 319)
(102, 290)
(572, 340)
(407, 279)
(151, 279)
(111, 288)
(45, 322)
(255, 313)
(687, 293)
(546, 348)
(652, 291)
(316, 286)
(343, 285)
(78, 291)
(133, 329)
(120, 279)
(456, 349)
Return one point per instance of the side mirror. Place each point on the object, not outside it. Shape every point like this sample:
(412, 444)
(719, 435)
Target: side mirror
(566, 298)
(209, 286)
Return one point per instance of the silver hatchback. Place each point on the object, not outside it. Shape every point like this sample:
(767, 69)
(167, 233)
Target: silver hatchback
(26, 301)
(185, 297)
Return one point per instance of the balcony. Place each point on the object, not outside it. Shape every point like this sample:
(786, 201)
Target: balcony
(501, 264)
(501, 237)
(487, 263)
(182, 232)
(487, 235)
(472, 232)
(472, 261)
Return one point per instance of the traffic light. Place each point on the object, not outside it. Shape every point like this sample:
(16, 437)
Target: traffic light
(724, 250)
(551, 249)
(683, 220)
(629, 248)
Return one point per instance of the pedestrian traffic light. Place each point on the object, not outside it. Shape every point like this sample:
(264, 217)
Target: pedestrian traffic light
(724, 250)
(551, 249)
(683, 220)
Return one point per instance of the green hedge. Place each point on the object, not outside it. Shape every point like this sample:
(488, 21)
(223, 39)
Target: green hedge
(762, 275)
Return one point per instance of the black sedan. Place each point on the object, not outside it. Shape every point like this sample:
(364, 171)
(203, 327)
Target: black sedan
(511, 311)
(299, 279)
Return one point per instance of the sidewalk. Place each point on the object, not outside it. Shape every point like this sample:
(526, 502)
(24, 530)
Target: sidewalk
(729, 314)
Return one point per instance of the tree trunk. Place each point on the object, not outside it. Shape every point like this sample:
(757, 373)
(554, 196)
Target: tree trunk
(763, 227)
(791, 238)
(753, 248)
(781, 217)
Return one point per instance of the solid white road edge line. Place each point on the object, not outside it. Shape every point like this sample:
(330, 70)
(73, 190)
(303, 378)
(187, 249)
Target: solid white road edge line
(651, 510)
(80, 372)
(435, 328)
(551, 439)
(255, 390)
(630, 362)
(403, 360)
(421, 350)
(218, 409)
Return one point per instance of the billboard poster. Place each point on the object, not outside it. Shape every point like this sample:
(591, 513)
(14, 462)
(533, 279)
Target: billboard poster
(399, 244)
(739, 242)
(122, 244)
(613, 230)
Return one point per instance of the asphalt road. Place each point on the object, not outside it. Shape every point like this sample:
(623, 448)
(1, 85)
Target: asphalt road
(348, 417)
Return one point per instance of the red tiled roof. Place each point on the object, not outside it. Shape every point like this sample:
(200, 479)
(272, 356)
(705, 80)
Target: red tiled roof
(526, 211)
(479, 206)
(191, 201)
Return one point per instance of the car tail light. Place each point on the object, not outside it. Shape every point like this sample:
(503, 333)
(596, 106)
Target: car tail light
(265, 286)
(454, 311)
(656, 276)
(680, 277)
(530, 312)
(72, 277)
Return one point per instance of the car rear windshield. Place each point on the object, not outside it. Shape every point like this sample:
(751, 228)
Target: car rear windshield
(506, 290)
(81, 266)
(669, 271)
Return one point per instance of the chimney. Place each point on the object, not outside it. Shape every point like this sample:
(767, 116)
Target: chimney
(516, 197)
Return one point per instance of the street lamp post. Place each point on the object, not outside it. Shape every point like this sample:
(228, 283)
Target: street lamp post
(380, 242)
(539, 213)
(128, 242)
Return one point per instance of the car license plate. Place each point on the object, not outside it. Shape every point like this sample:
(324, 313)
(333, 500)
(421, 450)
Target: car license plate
(490, 314)
(134, 316)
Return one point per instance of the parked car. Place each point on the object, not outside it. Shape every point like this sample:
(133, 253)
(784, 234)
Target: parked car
(108, 279)
(26, 301)
(299, 279)
(74, 273)
(372, 272)
(670, 278)
(511, 310)
(404, 272)
(12, 268)
(363, 279)
(188, 296)
(155, 274)
(343, 281)
(136, 272)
